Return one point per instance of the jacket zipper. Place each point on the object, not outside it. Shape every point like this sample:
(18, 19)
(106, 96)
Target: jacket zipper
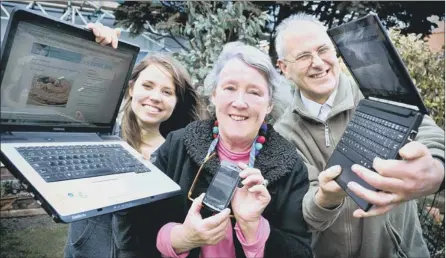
(327, 136)
(326, 129)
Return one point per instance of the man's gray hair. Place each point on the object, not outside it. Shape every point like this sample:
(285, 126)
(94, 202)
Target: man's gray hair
(290, 24)
(278, 88)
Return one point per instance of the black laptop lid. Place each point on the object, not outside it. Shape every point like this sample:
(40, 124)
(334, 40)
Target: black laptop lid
(374, 62)
(55, 77)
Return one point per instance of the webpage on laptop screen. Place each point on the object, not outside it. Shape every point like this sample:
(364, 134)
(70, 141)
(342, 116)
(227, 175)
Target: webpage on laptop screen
(52, 78)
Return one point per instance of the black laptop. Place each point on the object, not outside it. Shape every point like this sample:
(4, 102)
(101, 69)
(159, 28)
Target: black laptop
(392, 110)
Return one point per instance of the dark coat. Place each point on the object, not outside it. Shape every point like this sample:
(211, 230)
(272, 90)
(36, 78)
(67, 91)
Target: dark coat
(180, 157)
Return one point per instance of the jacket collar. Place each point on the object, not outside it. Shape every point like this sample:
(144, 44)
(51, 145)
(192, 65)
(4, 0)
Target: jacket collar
(313, 107)
(276, 159)
(344, 100)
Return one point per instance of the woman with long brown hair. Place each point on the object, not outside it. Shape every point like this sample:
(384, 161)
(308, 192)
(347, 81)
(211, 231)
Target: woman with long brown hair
(160, 99)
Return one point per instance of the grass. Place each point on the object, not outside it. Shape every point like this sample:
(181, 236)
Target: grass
(38, 240)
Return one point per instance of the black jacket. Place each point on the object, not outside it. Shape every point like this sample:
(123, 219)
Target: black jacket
(180, 157)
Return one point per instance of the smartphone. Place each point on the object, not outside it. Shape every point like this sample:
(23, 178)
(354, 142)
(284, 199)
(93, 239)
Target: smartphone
(220, 191)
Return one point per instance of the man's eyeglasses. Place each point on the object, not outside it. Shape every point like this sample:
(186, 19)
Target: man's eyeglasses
(307, 58)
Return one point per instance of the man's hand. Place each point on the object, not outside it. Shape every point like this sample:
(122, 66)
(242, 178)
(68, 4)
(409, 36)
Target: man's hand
(105, 35)
(330, 194)
(417, 174)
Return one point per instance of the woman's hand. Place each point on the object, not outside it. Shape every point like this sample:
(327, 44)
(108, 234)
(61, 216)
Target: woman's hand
(196, 231)
(249, 201)
(105, 35)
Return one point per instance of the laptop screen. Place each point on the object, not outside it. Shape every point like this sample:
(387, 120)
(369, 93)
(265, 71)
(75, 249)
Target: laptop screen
(374, 62)
(55, 79)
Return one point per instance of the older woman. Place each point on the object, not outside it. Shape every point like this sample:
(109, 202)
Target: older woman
(267, 218)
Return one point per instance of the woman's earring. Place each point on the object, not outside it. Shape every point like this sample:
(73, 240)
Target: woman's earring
(211, 108)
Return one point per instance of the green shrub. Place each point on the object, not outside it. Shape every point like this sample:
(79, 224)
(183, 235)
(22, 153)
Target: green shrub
(426, 69)
(209, 28)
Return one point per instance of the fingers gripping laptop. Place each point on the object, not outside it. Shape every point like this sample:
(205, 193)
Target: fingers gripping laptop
(60, 96)
(392, 110)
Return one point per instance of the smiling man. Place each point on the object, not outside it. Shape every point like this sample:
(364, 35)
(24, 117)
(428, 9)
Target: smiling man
(325, 101)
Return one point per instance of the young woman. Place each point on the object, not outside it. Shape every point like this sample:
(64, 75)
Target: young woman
(159, 99)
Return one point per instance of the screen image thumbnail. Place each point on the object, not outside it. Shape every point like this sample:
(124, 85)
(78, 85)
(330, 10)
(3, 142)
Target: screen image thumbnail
(49, 91)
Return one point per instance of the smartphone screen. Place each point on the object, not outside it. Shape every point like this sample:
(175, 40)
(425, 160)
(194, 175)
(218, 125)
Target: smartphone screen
(220, 191)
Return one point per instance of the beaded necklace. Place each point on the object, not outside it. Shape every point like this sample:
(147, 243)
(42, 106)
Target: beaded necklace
(257, 145)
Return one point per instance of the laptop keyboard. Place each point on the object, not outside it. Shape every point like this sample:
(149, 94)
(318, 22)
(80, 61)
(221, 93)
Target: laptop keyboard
(59, 163)
(367, 137)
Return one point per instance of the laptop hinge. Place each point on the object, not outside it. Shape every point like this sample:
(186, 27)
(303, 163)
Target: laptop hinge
(109, 137)
(49, 137)
(394, 103)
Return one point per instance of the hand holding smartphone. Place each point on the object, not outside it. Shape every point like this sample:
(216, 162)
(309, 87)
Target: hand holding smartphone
(223, 185)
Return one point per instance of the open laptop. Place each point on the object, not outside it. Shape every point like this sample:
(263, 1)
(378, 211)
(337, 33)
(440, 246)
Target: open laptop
(60, 95)
(392, 110)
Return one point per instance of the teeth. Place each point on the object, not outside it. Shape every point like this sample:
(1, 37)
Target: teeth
(319, 75)
(152, 109)
(238, 118)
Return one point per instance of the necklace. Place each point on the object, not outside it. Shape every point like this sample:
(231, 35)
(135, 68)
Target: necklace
(257, 144)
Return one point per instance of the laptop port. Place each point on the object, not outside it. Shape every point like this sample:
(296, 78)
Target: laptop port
(412, 136)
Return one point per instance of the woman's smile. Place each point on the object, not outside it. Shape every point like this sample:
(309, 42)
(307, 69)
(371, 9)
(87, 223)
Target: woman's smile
(238, 118)
(151, 108)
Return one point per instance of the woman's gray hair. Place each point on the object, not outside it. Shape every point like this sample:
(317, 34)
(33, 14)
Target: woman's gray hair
(278, 88)
(290, 24)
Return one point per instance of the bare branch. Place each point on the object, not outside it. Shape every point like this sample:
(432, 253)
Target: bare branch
(202, 42)
(229, 35)
(153, 31)
(169, 23)
(170, 35)
(178, 42)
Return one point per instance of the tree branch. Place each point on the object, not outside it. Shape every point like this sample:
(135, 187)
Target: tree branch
(172, 19)
(229, 35)
(178, 42)
(152, 31)
(193, 44)
(344, 8)
(202, 42)
(271, 35)
(156, 33)
(332, 15)
(352, 17)
(319, 7)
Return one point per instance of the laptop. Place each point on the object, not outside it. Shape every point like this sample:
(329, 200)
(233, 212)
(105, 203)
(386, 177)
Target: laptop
(60, 96)
(392, 109)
